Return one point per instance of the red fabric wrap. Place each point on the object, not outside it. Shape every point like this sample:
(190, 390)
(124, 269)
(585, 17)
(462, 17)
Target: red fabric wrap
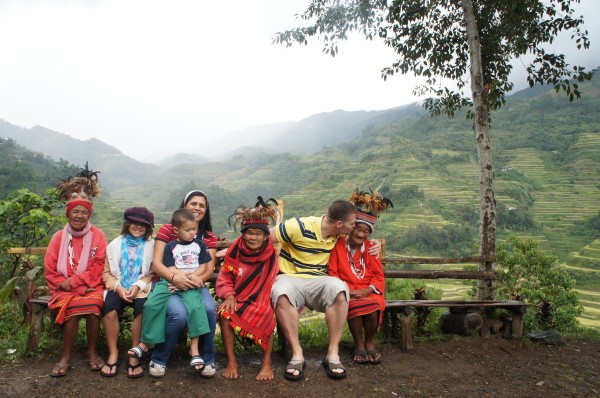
(339, 266)
(249, 276)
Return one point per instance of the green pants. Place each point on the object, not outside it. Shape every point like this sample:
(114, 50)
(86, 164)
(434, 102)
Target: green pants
(155, 313)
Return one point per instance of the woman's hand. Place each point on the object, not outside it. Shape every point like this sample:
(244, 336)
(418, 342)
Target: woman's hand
(229, 304)
(184, 282)
(196, 279)
(132, 292)
(65, 285)
(361, 293)
(375, 248)
(120, 290)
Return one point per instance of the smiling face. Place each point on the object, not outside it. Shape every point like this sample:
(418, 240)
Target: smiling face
(197, 205)
(254, 238)
(187, 231)
(358, 235)
(78, 217)
(137, 230)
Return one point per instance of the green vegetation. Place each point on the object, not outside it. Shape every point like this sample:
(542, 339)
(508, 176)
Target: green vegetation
(524, 271)
(547, 164)
(22, 168)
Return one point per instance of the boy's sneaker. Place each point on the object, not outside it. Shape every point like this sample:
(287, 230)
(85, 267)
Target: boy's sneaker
(157, 370)
(209, 371)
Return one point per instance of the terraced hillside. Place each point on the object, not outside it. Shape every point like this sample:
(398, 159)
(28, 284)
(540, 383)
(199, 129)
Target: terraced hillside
(547, 162)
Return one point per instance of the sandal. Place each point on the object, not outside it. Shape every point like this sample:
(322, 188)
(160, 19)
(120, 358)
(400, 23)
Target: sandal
(137, 352)
(360, 356)
(375, 356)
(295, 366)
(330, 367)
(197, 361)
(110, 372)
(131, 368)
(60, 370)
(96, 365)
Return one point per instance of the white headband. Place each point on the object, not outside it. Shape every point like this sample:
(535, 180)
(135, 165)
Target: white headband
(195, 191)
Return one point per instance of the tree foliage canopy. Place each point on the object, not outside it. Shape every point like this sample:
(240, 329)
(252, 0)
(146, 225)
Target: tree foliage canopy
(430, 39)
(27, 219)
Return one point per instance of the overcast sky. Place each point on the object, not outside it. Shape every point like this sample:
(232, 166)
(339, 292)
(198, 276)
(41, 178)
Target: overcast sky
(150, 77)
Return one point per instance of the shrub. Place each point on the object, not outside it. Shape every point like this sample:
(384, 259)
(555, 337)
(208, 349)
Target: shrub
(524, 270)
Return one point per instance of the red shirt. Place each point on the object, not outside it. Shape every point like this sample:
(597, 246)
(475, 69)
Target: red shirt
(167, 235)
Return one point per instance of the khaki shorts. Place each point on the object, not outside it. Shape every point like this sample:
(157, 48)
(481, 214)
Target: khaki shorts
(315, 293)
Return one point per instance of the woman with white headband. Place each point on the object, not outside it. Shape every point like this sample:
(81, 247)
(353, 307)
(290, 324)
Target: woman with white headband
(196, 202)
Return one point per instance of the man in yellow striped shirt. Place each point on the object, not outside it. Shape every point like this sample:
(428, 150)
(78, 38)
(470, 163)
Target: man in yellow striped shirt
(306, 243)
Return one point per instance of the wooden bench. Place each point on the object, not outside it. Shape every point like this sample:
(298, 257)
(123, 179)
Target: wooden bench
(404, 308)
(39, 305)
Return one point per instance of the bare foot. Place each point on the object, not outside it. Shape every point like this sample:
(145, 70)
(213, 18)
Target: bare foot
(231, 371)
(266, 373)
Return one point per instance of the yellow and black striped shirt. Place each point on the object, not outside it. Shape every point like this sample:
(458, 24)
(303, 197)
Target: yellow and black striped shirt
(303, 252)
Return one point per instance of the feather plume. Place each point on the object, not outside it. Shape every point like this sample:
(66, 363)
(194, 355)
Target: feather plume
(261, 211)
(84, 184)
(370, 202)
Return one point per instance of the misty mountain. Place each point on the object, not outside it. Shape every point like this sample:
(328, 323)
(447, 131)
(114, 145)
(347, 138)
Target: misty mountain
(109, 160)
(309, 135)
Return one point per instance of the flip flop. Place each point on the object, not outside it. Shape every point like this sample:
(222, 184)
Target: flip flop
(197, 361)
(111, 366)
(137, 352)
(96, 365)
(131, 368)
(59, 370)
(330, 367)
(295, 366)
(373, 354)
(362, 354)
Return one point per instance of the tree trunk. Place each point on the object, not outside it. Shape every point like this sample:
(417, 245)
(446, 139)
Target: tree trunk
(486, 290)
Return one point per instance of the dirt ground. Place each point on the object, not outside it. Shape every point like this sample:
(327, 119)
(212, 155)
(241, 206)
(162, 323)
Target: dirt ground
(455, 367)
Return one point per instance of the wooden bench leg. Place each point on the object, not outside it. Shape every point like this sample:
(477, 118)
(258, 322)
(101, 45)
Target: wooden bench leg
(406, 326)
(36, 326)
(517, 323)
(385, 327)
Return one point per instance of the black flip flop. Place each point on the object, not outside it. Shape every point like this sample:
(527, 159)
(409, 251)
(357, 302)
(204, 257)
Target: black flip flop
(373, 353)
(360, 353)
(330, 366)
(295, 366)
(111, 366)
(60, 367)
(133, 367)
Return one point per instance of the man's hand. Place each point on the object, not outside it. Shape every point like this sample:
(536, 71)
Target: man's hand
(375, 248)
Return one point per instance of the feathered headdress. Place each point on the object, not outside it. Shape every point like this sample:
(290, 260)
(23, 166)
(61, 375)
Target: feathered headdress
(80, 189)
(255, 217)
(369, 205)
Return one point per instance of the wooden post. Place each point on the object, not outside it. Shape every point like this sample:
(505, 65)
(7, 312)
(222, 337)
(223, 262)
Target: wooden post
(38, 308)
(406, 326)
(517, 322)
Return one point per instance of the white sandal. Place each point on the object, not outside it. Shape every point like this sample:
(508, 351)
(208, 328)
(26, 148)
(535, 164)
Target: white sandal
(136, 352)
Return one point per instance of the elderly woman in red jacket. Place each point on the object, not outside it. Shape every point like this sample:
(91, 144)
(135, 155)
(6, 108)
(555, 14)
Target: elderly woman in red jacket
(74, 262)
(363, 273)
